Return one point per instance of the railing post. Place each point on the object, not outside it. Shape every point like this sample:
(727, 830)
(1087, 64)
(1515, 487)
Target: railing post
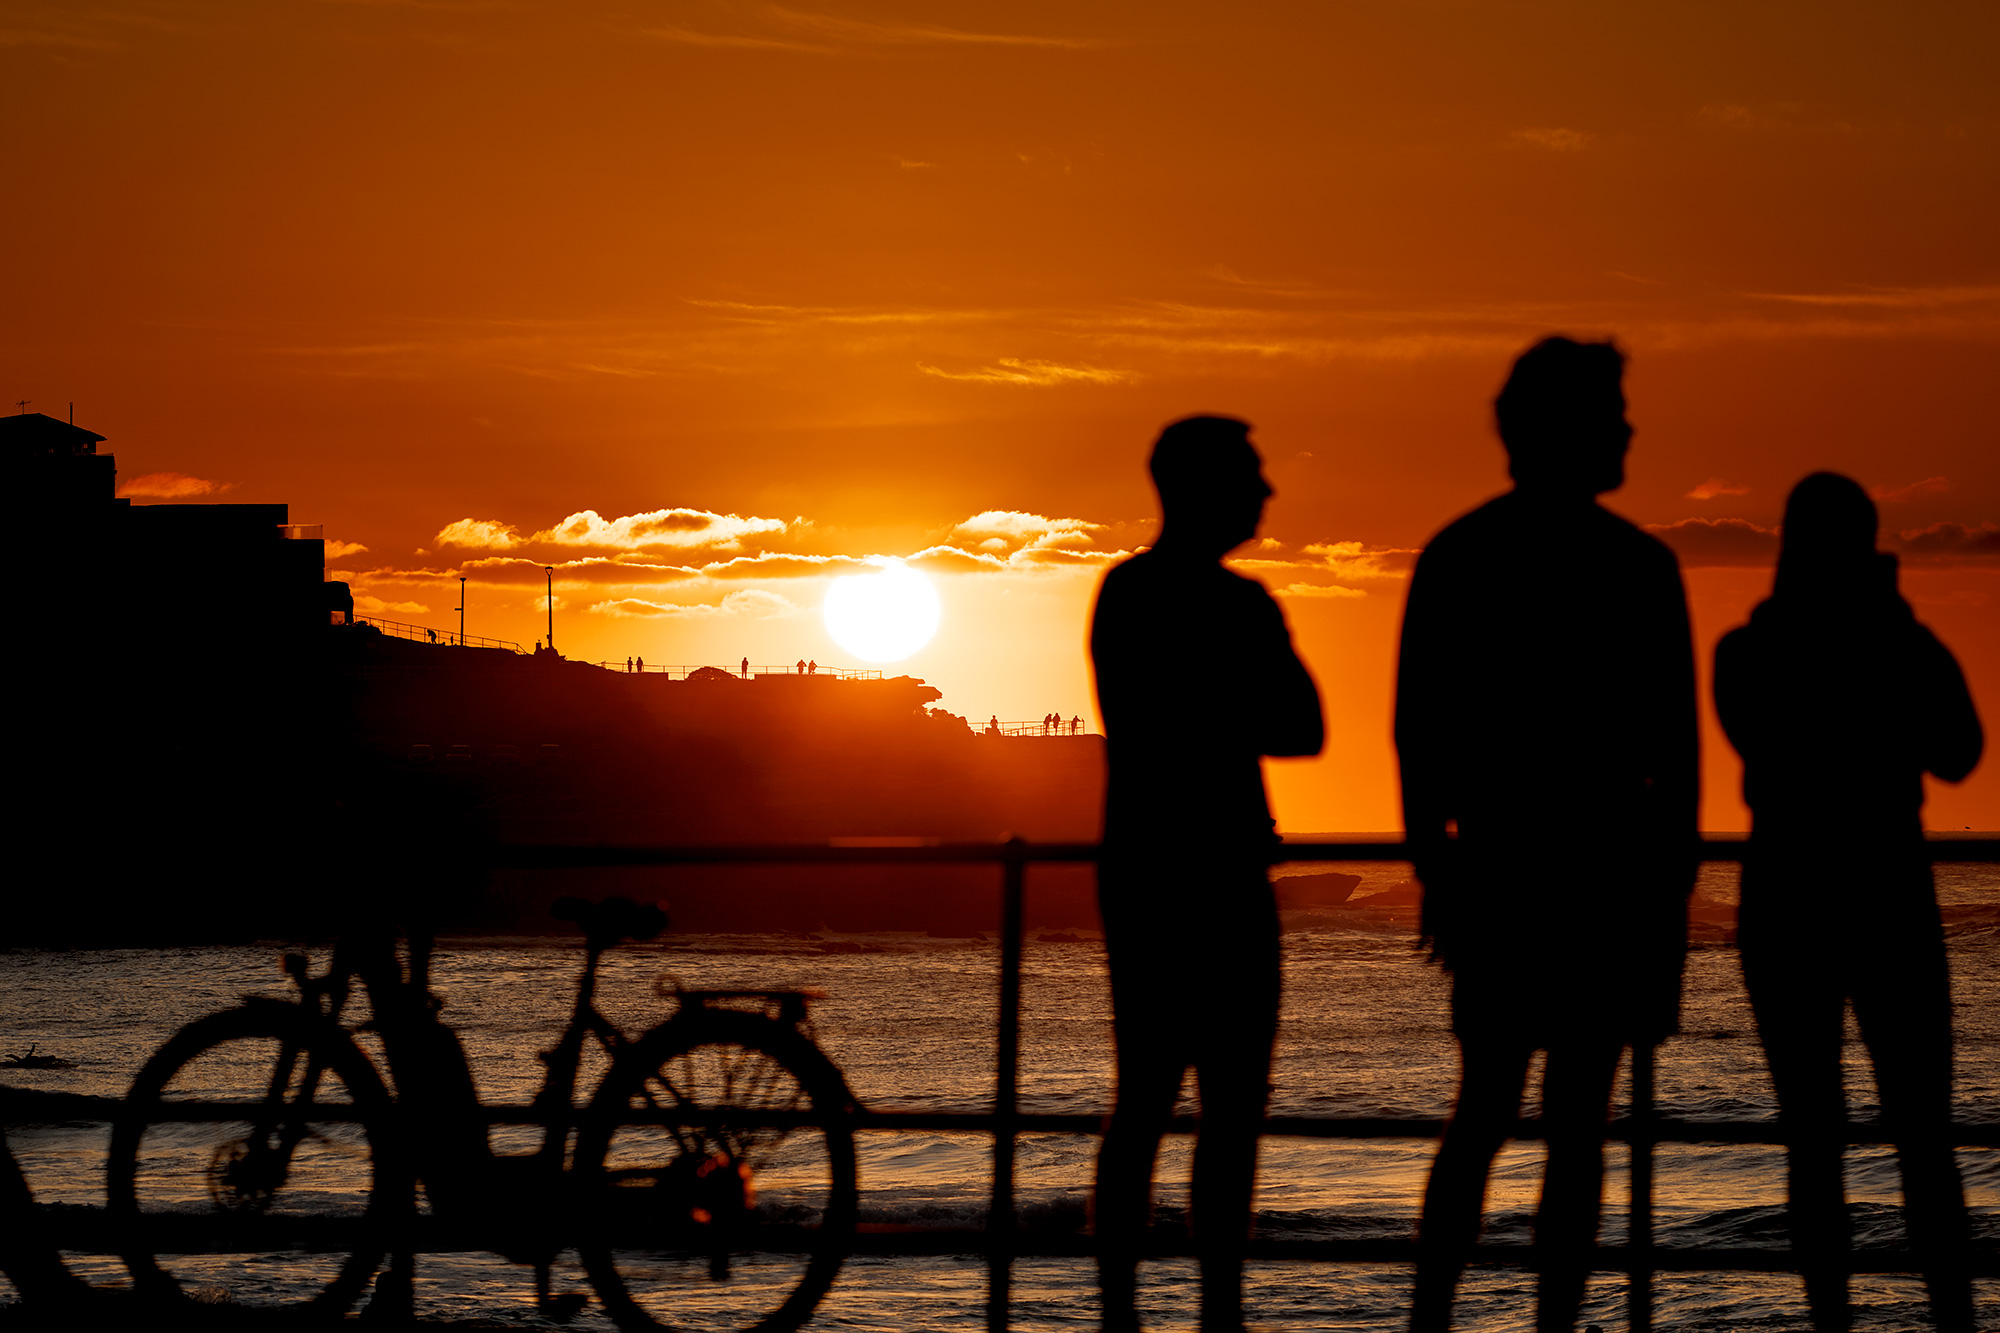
(1639, 1212)
(1006, 1091)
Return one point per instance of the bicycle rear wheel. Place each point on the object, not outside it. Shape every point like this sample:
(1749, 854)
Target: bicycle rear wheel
(279, 1207)
(733, 1206)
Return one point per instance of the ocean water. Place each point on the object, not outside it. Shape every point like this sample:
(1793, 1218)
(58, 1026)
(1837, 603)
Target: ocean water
(909, 1019)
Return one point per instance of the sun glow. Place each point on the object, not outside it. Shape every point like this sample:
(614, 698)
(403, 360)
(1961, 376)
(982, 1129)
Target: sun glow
(882, 617)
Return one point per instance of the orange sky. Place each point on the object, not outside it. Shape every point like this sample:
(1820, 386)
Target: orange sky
(884, 279)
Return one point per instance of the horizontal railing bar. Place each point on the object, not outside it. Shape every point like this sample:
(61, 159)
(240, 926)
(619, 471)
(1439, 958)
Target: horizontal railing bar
(24, 1107)
(94, 1230)
(919, 851)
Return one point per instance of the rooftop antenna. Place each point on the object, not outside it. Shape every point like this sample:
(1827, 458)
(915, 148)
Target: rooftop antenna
(22, 403)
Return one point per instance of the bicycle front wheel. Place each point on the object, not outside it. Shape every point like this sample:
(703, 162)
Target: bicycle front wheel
(727, 1200)
(280, 1205)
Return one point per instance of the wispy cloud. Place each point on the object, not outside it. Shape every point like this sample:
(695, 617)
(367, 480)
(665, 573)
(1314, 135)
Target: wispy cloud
(1953, 543)
(172, 486)
(1320, 590)
(1037, 373)
(1916, 489)
(748, 603)
(818, 33)
(1714, 487)
(1718, 543)
(1556, 140)
(658, 529)
(1891, 298)
(1348, 562)
(732, 41)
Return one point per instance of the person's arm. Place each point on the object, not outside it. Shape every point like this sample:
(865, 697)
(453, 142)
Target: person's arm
(1423, 738)
(1950, 740)
(1677, 779)
(1736, 689)
(1286, 705)
(1419, 706)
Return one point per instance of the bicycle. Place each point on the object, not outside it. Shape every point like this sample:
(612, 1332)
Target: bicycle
(717, 1148)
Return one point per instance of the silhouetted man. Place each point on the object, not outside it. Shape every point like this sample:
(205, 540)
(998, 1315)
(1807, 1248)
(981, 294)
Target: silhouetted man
(1546, 689)
(1190, 927)
(1839, 703)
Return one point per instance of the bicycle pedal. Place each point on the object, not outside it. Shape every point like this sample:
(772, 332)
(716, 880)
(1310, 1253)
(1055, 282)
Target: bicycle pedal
(561, 1309)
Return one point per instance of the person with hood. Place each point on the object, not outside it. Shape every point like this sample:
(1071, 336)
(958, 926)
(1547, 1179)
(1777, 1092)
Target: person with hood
(1839, 702)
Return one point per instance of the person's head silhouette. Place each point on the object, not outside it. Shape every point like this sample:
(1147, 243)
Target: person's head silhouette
(1211, 485)
(1829, 539)
(1562, 418)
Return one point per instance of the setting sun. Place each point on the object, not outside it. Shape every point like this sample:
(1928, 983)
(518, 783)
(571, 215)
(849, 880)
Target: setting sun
(882, 617)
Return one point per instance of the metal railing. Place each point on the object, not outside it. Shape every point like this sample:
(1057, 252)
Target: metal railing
(1002, 1240)
(741, 672)
(395, 629)
(1066, 727)
(1640, 1258)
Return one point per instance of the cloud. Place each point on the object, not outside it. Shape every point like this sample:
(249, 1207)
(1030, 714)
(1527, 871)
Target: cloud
(1008, 530)
(1555, 140)
(337, 550)
(1891, 298)
(830, 34)
(366, 605)
(1320, 590)
(1718, 543)
(997, 540)
(1952, 543)
(951, 560)
(733, 41)
(1348, 561)
(1715, 486)
(1039, 373)
(751, 603)
(172, 486)
(861, 32)
(777, 565)
(481, 534)
(681, 528)
(1897, 494)
(656, 529)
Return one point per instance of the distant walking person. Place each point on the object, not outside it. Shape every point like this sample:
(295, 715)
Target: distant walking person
(802, 666)
(1526, 705)
(628, 666)
(1839, 703)
(1190, 926)
(746, 668)
(642, 666)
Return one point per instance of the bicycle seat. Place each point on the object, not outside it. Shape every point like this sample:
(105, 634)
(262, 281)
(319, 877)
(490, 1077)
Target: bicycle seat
(606, 923)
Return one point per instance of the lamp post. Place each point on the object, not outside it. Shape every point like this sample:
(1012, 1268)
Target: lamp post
(550, 572)
(461, 611)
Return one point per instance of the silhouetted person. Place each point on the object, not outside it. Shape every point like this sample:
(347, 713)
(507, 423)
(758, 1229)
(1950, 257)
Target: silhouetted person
(746, 668)
(1546, 688)
(1839, 703)
(802, 666)
(812, 668)
(1190, 926)
(628, 666)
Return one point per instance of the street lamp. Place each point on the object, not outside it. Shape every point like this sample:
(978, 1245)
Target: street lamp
(461, 611)
(550, 571)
